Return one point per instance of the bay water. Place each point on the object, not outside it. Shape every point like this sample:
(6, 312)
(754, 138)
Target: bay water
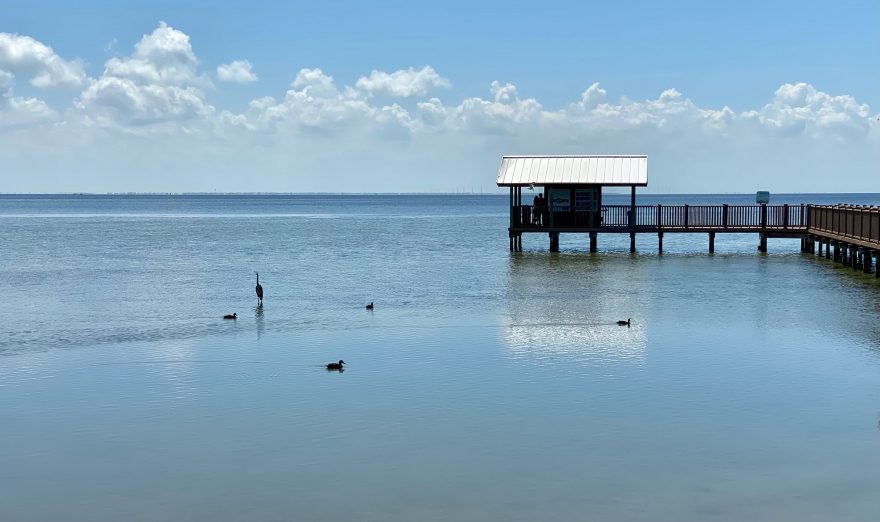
(485, 385)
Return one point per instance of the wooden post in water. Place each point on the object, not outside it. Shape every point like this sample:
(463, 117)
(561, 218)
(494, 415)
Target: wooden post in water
(593, 241)
(659, 242)
(866, 261)
(711, 242)
(632, 242)
(554, 241)
(877, 263)
(836, 251)
(762, 242)
(827, 249)
(820, 246)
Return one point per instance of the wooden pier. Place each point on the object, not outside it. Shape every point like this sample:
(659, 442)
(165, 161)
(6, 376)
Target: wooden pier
(573, 184)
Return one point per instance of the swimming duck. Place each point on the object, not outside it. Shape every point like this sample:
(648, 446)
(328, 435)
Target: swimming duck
(624, 323)
(370, 306)
(336, 365)
(233, 316)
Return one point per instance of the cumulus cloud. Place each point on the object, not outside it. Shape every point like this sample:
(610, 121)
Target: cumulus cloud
(238, 71)
(801, 109)
(157, 83)
(403, 83)
(315, 103)
(156, 95)
(26, 56)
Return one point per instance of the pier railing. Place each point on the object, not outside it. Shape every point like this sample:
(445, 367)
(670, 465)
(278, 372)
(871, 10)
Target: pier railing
(669, 217)
(846, 222)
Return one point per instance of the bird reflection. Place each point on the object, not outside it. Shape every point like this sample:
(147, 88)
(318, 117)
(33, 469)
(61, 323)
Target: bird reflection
(258, 315)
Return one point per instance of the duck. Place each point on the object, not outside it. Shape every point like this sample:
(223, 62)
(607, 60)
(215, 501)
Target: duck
(370, 306)
(233, 316)
(624, 323)
(336, 365)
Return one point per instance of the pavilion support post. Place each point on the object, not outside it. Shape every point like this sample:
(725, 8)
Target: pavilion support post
(659, 242)
(813, 240)
(867, 258)
(836, 251)
(711, 242)
(554, 241)
(594, 241)
(632, 209)
(632, 242)
(820, 246)
(827, 249)
(762, 242)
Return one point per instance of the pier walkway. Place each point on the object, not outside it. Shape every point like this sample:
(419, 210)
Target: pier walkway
(849, 234)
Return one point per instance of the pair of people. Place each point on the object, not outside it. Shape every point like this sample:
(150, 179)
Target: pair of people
(538, 206)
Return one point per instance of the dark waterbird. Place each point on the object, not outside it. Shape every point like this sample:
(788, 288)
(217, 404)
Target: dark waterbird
(336, 366)
(259, 290)
(370, 306)
(624, 323)
(232, 316)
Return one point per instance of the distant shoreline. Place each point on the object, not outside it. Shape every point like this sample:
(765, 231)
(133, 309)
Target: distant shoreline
(490, 194)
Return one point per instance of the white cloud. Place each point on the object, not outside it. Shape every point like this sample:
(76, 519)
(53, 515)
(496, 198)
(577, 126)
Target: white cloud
(238, 71)
(27, 56)
(155, 99)
(801, 109)
(403, 83)
(158, 83)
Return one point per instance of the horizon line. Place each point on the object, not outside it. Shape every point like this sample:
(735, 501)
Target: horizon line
(500, 193)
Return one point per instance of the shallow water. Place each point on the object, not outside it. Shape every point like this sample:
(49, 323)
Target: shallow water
(485, 385)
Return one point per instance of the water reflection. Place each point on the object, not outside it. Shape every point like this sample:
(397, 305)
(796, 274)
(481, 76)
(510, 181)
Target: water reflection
(569, 306)
(258, 315)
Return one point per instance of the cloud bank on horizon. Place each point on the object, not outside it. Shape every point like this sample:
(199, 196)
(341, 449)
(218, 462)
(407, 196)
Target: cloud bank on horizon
(147, 123)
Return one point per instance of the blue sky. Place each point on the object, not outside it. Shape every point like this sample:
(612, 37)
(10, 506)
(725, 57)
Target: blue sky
(738, 56)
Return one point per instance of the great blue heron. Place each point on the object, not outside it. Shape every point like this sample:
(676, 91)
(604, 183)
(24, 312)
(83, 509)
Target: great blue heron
(259, 290)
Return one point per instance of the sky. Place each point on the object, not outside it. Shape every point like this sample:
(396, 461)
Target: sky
(394, 96)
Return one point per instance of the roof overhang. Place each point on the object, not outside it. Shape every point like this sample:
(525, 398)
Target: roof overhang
(609, 171)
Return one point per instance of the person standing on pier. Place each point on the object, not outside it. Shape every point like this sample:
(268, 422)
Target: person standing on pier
(537, 205)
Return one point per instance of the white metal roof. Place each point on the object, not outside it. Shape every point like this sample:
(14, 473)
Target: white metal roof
(598, 170)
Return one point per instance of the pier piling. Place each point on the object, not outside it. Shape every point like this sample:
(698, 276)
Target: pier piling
(711, 242)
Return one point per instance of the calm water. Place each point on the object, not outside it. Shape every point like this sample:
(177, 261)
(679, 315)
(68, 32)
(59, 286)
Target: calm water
(485, 385)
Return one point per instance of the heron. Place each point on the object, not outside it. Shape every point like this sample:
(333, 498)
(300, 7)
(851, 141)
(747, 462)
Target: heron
(259, 290)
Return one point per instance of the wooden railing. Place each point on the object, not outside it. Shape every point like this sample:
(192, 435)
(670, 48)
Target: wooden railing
(846, 221)
(671, 217)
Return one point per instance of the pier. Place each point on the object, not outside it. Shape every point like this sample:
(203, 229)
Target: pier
(573, 187)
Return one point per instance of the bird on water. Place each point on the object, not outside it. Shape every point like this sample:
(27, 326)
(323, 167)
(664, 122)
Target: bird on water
(370, 306)
(259, 290)
(336, 365)
(233, 316)
(624, 323)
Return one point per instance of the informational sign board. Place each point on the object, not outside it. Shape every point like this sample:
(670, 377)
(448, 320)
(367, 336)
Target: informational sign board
(762, 197)
(560, 200)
